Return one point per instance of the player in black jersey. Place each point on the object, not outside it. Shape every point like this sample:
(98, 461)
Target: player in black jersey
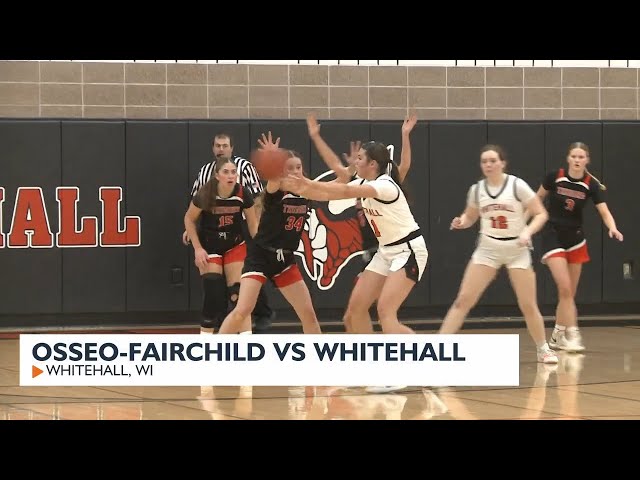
(345, 174)
(270, 255)
(218, 242)
(565, 248)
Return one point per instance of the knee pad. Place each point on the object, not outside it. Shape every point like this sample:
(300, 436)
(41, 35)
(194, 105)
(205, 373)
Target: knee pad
(234, 292)
(214, 305)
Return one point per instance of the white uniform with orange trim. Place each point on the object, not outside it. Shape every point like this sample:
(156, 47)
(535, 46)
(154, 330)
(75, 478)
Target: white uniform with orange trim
(402, 245)
(501, 222)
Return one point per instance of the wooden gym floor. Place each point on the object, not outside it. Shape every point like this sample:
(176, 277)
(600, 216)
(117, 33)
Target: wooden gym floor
(603, 383)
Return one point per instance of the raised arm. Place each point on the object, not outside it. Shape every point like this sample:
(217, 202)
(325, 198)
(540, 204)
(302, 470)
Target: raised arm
(328, 156)
(405, 155)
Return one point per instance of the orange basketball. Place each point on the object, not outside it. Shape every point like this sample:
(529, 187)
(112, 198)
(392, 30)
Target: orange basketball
(270, 164)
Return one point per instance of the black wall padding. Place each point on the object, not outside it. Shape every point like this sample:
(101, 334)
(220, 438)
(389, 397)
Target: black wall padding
(157, 153)
(454, 153)
(93, 156)
(30, 278)
(621, 145)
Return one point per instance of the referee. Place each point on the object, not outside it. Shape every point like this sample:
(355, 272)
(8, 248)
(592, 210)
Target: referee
(222, 146)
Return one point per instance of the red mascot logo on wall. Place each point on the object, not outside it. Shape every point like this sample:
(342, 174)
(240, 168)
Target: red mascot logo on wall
(31, 228)
(331, 237)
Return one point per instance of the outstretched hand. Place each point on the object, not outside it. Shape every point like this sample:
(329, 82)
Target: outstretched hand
(353, 154)
(267, 143)
(312, 125)
(409, 122)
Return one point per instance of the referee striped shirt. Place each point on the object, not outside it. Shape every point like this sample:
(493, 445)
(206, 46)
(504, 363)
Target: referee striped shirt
(247, 176)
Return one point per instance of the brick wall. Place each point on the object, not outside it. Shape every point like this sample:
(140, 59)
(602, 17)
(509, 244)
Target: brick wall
(167, 90)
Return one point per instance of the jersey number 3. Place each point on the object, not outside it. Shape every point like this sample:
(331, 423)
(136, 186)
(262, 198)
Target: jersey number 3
(293, 223)
(569, 204)
(499, 222)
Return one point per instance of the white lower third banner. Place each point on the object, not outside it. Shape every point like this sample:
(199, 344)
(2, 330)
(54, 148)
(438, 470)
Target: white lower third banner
(269, 360)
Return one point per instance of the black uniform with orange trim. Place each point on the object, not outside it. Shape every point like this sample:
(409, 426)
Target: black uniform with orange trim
(220, 231)
(563, 235)
(270, 255)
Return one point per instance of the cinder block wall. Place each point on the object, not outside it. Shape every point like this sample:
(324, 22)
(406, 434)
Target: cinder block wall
(198, 91)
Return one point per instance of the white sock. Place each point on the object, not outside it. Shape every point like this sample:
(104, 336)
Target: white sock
(543, 346)
(572, 329)
(559, 328)
(248, 332)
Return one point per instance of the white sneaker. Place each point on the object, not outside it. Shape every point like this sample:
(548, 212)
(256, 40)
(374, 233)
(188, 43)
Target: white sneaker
(546, 355)
(555, 338)
(384, 389)
(571, 342)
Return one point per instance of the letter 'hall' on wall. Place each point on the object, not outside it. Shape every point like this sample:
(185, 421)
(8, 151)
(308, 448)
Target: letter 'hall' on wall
(30, 226)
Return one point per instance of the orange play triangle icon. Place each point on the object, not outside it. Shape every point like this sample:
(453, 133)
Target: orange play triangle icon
(35, 371)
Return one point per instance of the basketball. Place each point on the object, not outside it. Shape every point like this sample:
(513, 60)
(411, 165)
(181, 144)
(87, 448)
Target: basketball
(270, 164)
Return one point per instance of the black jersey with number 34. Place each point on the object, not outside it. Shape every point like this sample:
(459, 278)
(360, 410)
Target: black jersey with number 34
(282, 221)
(568, 196)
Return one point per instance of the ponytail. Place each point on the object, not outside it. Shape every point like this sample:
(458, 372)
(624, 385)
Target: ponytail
(602, 185)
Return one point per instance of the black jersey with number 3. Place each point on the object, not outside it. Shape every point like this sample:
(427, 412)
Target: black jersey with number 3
(282, 221)
(568, 197)
(226, 215)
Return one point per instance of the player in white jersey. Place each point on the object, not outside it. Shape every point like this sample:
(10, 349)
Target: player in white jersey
(402, 256)
(500, 201)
